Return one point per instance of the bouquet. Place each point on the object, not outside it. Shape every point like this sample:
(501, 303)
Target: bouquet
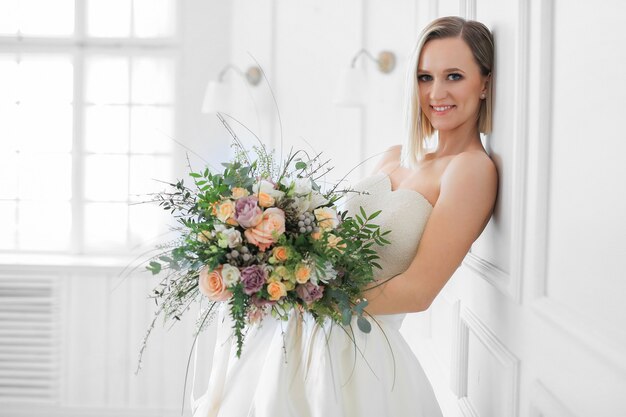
(264, 238)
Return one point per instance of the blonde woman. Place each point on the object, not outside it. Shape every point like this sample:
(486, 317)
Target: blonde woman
(436, 204)
(450, 94)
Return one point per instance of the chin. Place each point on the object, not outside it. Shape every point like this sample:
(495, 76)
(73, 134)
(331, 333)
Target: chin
(442, 126)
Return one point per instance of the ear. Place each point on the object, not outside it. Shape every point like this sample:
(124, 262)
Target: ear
(485, 83)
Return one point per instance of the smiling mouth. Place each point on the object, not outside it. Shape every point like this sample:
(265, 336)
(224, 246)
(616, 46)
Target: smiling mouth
(441, 109)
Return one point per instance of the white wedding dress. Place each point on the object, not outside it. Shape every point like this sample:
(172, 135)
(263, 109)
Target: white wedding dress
(297, 368)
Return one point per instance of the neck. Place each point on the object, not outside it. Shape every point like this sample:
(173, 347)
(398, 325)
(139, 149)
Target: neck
(452, 142)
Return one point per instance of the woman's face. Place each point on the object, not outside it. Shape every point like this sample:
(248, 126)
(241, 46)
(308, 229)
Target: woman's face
(450, 84)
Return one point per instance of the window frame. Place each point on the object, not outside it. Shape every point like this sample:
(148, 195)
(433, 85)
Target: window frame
(78, 47)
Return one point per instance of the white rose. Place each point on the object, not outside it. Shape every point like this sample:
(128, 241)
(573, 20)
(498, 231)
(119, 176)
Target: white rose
(267, 187)
(230, 275)
(317, 200)
(232, 236)
(301, 204)
(302, 186)
(219, 227)
(286, 181)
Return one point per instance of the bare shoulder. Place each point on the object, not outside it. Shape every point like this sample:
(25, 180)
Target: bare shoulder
(472, 162)
(471, 176)
(390, 155)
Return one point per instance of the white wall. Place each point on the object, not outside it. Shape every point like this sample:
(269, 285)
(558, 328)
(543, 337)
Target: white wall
(532, 323)
(86, 317)
(205, 50)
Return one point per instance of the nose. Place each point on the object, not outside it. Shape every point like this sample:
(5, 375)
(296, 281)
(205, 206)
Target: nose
(437, 90)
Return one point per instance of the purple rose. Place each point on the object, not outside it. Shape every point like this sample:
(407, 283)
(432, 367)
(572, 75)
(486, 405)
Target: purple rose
(309, 292)
(247, 212)
(253, 278)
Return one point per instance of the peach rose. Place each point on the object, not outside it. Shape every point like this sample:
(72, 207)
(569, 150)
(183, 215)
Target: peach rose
(204, 236)
(276, 290)
(280, 253)
(303, 273)
(335, 242)
(326, 218)
(316, 235)
(225, 210)
(265, 200)
(212, 285)
(271, 226)
(238, 192)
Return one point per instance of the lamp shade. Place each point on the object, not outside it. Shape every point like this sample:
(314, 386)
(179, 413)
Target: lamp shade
(351, 88)
(217, 98)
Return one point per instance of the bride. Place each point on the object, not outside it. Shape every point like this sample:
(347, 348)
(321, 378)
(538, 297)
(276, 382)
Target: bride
(436, 204)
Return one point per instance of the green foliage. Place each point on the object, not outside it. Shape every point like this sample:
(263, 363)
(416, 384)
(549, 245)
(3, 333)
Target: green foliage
(239, 304)
(344, 271)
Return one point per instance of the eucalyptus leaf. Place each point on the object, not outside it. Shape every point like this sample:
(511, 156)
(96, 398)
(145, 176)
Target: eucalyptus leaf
(364, 325)
(155, 267)
(346, 316)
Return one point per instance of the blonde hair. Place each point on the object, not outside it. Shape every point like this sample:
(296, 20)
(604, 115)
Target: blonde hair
(480, 41)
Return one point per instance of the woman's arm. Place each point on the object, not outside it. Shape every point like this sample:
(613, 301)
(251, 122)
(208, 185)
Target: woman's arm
(466, 200)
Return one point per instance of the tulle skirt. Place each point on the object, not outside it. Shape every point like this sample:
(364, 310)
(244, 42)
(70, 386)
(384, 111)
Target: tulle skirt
(300, 368)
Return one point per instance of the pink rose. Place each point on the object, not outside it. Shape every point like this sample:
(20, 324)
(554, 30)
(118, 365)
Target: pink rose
(272, 224)
(253, 278)
(212, 285)
(309, 292)
(247, 211)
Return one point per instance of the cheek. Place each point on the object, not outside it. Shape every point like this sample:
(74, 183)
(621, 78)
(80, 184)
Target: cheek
(423, 98)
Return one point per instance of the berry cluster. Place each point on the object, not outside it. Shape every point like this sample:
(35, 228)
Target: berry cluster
(306, 223)
(244, 252)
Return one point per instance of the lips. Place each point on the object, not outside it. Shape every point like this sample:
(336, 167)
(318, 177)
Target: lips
(441, 110)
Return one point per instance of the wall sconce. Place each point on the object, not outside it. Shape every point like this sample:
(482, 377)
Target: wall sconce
(386, 60)
(352, 87)
(218, 94)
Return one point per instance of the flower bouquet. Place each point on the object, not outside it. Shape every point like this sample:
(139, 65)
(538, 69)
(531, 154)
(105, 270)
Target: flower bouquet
(265, 239)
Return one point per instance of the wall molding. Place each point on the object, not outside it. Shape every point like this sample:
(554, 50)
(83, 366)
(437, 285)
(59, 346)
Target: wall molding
(459, 361)
(467, 9)
(511, 364)
(510, 283)
(594, 335)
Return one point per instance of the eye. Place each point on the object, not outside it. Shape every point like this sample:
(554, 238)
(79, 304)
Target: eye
(455, 77)
(424, 77)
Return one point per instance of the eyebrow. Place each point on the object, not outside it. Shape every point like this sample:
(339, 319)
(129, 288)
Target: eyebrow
(447, 70)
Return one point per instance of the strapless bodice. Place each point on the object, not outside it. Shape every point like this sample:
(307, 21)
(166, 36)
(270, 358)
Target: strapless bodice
(404, 212)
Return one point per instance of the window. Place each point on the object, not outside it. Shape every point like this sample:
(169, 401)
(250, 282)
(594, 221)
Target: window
(87, 117)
